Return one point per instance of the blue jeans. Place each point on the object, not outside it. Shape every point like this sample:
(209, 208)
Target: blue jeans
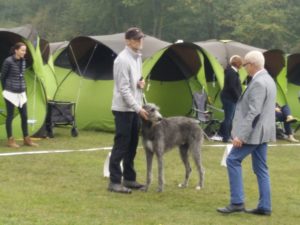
(281, 116)
(260, 168)
(229, 108)
(125, 145)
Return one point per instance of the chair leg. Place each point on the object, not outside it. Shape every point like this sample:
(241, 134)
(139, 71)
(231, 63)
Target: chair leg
(297, 128)
(206, 136)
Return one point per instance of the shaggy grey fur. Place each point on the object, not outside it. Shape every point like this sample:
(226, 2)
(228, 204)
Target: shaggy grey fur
(163, 134)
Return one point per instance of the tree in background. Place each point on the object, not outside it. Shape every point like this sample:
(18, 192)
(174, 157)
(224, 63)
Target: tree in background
(266, 24)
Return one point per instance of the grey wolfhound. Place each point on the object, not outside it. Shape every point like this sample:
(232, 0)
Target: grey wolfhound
(162, 134)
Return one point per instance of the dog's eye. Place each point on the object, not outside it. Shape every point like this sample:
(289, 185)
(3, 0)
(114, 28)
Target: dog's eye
(152, 110)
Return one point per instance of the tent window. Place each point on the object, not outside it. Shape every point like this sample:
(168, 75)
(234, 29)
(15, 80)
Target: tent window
(170, 67)
(294, 76)
(166, 70)
(96, 64)
(45, 50)
(209, 72)
(63, 60)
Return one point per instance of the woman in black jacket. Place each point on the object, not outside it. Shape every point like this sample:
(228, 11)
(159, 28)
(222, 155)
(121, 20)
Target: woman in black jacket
(14, 92)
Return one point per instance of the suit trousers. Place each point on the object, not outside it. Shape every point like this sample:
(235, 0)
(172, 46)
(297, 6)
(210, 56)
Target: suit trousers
(226, 125)
(125, 145)
(260, 168)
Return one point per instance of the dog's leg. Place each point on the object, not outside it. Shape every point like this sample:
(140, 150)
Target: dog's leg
(160, 162)
(196, 151)
(185, 159)
(149, 158)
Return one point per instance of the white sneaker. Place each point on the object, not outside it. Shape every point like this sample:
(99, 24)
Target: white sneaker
(292, 139)
(216, 137)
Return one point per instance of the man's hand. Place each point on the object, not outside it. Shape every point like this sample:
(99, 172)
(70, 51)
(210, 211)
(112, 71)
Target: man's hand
(143, 113)
(277, 109)
(141, 84)
(236, 142)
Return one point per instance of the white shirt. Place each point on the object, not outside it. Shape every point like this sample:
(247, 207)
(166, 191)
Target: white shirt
(18, 99)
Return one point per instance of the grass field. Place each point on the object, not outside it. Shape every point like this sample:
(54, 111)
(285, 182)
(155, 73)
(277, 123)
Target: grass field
(69, 188)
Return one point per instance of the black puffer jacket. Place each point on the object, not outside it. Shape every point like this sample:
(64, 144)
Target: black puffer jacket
(12, 75)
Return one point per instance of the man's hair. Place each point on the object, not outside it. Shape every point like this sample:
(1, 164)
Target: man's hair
(256, 58)
(236, 61)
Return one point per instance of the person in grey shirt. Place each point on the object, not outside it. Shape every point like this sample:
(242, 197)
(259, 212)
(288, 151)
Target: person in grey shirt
(253, 127)
(127, 107)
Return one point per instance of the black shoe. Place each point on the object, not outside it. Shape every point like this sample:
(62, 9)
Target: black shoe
(258, 211)
(132, 184)
(119, 188)
(232, 208)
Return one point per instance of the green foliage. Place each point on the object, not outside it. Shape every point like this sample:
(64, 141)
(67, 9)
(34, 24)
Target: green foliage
(266, 24)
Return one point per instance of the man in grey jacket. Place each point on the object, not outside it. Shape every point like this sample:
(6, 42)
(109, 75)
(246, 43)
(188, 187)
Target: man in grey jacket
(127, 107)
(253, 127)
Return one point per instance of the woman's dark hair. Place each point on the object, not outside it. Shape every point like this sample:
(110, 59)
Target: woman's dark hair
(16, 46)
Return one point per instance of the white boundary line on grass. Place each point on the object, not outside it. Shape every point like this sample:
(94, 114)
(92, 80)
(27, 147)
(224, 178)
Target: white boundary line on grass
(53, 151)
(108, 148)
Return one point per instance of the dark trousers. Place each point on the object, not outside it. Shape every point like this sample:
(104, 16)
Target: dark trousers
(226, 125)
(125, 145)
(281, 116)
(10, 115)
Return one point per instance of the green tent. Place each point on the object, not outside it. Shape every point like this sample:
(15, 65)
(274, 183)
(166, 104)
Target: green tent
(84, 74)
(293, 83)
(35, 75)
(174, 73)
(276, 65)
(56, 50)
(275, 61)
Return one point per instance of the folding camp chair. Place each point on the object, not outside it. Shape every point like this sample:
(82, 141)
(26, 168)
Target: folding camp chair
(60, 113)
(209, 125)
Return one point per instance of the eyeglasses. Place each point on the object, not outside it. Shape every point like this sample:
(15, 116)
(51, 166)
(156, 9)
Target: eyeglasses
(245, 64)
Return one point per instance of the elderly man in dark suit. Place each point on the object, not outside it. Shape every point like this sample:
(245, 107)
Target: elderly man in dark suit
(229, 96)
(253, 127)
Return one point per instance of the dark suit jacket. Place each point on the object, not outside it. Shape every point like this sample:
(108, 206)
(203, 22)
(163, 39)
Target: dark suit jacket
(232, 85)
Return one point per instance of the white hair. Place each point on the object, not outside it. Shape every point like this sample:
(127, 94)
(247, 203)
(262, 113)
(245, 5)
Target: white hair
(256, 58)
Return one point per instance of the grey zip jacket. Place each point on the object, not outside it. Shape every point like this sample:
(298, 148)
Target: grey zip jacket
(127, 71)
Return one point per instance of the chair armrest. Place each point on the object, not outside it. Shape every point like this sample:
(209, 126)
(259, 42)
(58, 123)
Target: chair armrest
(200, 111)
(215, 108)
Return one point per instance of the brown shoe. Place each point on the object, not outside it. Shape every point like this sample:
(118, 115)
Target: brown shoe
(12, 143)
(28, 142)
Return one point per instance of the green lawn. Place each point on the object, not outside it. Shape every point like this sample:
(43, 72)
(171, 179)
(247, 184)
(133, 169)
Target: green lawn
(69, 188)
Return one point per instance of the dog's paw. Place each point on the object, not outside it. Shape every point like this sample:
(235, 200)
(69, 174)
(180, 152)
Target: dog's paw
(182, 185)
(159, 189)
(144, 189)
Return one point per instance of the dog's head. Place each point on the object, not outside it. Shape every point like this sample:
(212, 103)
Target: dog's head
(153, 112)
